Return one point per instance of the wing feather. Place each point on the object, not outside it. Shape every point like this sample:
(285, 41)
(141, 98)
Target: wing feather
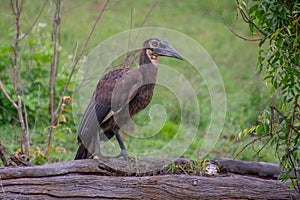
(89, 129)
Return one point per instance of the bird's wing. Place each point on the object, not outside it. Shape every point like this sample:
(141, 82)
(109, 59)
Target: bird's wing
(112, 94)
(125, 89)
(89, 128)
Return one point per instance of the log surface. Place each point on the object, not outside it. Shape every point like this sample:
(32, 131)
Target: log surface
(146, 179)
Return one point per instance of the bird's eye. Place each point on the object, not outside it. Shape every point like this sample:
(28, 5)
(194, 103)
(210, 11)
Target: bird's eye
(154, 44)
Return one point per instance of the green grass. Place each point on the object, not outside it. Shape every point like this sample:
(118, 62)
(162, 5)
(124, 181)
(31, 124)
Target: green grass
(200, 20)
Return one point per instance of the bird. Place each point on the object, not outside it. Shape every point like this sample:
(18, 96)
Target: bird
(119, 95)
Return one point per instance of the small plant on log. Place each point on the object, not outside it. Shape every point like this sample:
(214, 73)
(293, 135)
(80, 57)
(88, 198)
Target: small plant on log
(192, 167)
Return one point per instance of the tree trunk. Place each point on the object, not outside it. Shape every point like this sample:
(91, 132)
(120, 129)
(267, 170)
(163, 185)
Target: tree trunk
(144, 179)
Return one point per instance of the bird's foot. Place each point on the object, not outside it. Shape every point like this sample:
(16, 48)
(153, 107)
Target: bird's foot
(125, 155)
(102, 157)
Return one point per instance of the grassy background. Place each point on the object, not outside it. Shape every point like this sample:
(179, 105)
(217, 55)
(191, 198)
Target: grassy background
(200, 20)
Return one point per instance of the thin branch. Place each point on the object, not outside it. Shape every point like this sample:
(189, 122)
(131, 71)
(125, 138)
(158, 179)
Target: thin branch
(65, 69)
(56, 21)
(37, 109)
(271, 120)
(13, 7)
(9, 113)
(21, 6)
(291, 130)
(25, 116)
(73, 68)
(76, 60)
(236, 34)
(288, 143)
(261, 148)
(249, 21)
(35, 21)
(7, 95)
(55, 27)
(146, 18)
(295, 168)
(16, 45)
(126, 61)
(247, 145)
(286, 119)
(17, 12)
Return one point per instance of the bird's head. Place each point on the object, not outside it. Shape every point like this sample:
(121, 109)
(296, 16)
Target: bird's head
(155, 47)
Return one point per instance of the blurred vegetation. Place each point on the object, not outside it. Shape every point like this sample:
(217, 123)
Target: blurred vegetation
(201, 20)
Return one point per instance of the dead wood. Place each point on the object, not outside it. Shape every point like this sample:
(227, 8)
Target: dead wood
(148, 178)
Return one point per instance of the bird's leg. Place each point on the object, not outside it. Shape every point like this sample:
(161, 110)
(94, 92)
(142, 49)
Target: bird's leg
(122, 146)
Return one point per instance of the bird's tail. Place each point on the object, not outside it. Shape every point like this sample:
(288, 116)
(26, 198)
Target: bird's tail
(82, 152)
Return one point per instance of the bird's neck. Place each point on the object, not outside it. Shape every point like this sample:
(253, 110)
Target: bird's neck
(148, 69)
(144, 59)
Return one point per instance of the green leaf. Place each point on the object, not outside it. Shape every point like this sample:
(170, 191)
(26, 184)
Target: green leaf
(60, 136)
(259, 130)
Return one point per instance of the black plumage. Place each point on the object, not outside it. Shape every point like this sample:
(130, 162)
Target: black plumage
(119, 95)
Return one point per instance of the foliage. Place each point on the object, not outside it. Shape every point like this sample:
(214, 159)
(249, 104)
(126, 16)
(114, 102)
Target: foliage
(277, 22)
(7, 111)
(34, 61)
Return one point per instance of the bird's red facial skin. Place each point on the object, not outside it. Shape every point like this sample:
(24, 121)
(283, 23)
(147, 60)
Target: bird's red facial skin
(152, 57)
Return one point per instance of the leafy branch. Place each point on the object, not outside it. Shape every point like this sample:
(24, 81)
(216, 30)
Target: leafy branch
(277, 22)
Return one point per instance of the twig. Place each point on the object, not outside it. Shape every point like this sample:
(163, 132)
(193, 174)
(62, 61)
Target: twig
(8, 112)
(236, 34)
(26, 117)
(17, 12)
(295, 168)
(37, 109)
(34, 22)
(288, 149)
(249, 21)
(126, 60)
(285, 119)
(7, 95)
(290, 131)
(146, 18)
(271, 120)
(247, 145)
(260, 149)
(75, 61)
(129, 40)
(73, 68)
(54, 64)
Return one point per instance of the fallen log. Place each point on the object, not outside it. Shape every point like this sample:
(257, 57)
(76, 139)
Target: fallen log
(145, 178)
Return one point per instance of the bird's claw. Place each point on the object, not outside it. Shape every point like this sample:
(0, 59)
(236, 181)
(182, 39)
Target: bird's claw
(125, 156)
(101, 157)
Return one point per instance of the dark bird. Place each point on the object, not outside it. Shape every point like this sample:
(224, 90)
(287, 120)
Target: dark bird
(119, 95)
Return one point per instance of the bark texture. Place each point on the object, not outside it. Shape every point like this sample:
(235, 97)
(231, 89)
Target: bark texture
(144, 179)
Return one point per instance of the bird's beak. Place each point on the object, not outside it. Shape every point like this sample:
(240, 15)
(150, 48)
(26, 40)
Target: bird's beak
(165, 49)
